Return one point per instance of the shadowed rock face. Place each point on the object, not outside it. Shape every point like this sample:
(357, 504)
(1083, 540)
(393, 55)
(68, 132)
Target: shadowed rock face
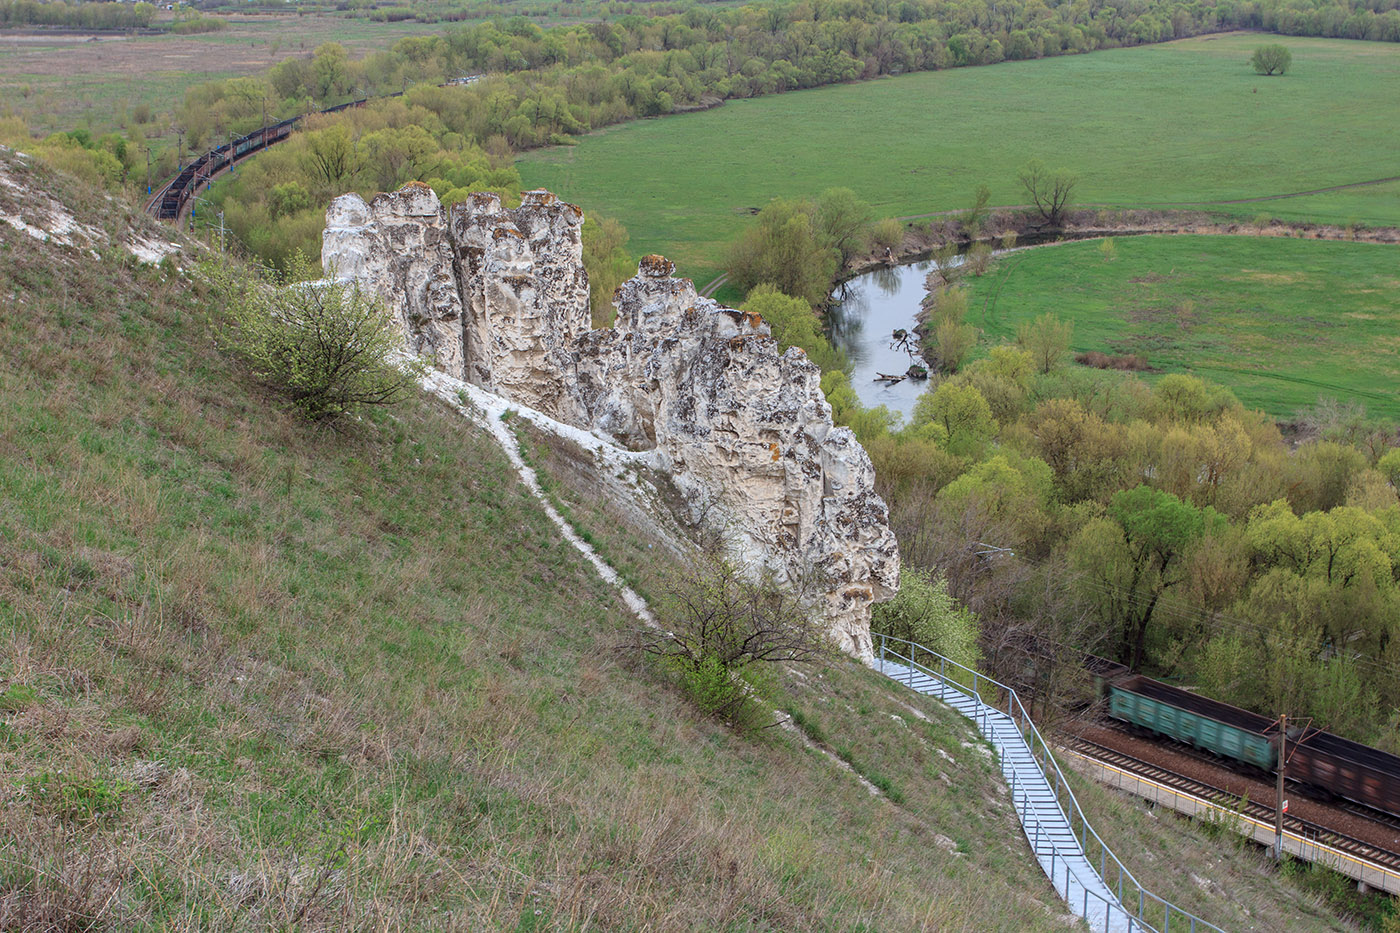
(501, 296)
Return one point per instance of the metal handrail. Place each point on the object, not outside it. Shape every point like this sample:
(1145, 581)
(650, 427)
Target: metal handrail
(1026, 726)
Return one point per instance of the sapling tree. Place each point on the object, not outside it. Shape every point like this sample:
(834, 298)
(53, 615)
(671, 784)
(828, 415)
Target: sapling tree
(721, 629)
(1050, 191)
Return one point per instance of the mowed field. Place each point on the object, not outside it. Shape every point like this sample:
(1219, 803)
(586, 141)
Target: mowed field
(1180, 124)
(1280, 321)
(62, 81)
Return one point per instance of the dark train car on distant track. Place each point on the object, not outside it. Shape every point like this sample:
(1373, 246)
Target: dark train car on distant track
(1334, 765)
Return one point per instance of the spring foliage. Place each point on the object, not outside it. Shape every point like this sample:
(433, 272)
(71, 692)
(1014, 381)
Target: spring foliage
(326, 345)
(923, 612)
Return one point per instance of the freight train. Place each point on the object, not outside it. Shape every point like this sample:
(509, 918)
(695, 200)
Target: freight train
(172, 199)
(1332, 765)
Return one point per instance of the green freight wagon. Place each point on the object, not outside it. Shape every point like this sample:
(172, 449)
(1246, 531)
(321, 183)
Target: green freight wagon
(1226, 730)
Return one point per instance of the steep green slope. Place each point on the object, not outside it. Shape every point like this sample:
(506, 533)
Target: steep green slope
(258, 675)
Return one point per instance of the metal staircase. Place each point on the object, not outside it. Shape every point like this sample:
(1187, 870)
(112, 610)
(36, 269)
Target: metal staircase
(1081, 867)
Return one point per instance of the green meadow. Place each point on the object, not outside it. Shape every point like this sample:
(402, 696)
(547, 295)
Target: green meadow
(1175, 125)
(1280, 321)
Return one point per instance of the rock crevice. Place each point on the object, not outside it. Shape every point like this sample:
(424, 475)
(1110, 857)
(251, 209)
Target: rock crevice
(498, 297)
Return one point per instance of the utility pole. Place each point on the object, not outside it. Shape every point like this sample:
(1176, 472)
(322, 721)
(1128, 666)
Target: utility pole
(148, 170)
(221, 235)
(1280, 803)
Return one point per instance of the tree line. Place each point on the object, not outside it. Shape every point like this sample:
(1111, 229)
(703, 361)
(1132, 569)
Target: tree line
(534, 86)
(1162, 524)
(76, 14)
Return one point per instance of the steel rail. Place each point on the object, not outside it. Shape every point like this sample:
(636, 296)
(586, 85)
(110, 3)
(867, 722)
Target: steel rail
(1304, 829)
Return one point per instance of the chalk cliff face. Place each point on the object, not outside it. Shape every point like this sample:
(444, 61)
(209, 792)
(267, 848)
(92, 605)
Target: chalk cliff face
(499, 298)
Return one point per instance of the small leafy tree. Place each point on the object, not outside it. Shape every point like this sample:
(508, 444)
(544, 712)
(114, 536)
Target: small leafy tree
(1389, 465)
(1271, 59)
(887, 233)
(961, 412)
(1046, 339)
(606, 261)
(844, 221)
(785, 247)
(1050, 191)
(925, 613)
(722, 631)
(976, 215)
(952, 342)
(327, 345)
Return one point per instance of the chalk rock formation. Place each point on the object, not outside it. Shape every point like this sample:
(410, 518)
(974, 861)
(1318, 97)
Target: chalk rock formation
(744, 428)
(526, 294)
(397, 247)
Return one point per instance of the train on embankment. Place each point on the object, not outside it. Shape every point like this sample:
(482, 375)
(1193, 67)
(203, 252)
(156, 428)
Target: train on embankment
(170, 203)
(1326, 763)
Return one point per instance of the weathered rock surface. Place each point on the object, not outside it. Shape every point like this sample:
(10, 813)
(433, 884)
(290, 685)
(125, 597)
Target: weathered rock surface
(743, 428)
(525, 292)
(397, 247)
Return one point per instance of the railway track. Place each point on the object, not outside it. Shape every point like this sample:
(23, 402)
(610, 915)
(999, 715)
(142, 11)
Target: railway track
(1380, 817)
(1251, 808)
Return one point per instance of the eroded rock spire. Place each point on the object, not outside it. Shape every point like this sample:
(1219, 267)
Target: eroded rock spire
(498, 297)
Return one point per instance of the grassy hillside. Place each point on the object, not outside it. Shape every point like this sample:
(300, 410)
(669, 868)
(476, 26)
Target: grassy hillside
(259, 675)
(1184, 122)
(1279, 321)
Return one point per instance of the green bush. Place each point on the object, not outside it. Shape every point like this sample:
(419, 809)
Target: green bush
(888, 233)
(326, 345)
(925, 613)
(1271, 59)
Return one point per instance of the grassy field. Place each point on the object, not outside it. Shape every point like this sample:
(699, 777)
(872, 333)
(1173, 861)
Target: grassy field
(1184, 122)
(62, 82)
(1280, 321)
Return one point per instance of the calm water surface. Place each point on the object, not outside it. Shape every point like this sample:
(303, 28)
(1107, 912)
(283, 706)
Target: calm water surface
(871, 307)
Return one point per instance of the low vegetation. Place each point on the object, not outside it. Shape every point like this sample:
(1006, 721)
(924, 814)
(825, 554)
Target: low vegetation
(1278, 321)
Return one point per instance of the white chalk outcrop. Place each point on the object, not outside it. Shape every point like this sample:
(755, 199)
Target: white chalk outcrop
(498, 297)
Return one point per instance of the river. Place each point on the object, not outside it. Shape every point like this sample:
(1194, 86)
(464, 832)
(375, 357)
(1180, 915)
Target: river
(869, 308)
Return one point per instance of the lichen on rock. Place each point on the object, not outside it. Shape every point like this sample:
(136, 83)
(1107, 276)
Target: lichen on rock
(498, 297)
